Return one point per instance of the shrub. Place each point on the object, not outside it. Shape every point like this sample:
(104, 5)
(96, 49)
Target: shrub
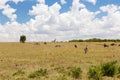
(20, 79)
(109, 69)
(19, 72)
(95, 73)
(119, 70)
(22, 38)
(38, 73)
(118, 75)
(76, 72)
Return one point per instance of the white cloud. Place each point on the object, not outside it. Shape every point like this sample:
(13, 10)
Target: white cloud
(111, 21)
(39, 9)
(54, 9)
(63, 1)
(41, 1)
(2, 3)
(7, 10)
(76, 6)
(92, 1)
(17, 1)
(79, 22)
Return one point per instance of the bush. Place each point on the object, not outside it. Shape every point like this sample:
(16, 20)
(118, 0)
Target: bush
(109, 69)
(38, 73)
(118, 75)
(22, 38)
(76, 72)
(19, 72)
(119, 70)
(20, 79)
(95, 73)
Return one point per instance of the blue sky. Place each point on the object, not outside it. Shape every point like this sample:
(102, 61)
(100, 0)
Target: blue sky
(96, 13)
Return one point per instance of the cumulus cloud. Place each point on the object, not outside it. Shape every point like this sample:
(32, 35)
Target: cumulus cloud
(77, 23)
(111, 21)
(92, 1)
(41, 1)
(76, 6)
(17, 1)
(63, 1)
(7, 10)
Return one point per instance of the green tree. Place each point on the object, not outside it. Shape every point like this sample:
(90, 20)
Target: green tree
(22, 38)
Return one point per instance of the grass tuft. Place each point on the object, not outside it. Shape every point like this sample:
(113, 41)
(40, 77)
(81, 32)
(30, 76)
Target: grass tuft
(19, 72)
(38, 73)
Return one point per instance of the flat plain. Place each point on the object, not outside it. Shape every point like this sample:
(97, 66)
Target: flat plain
(29, 57)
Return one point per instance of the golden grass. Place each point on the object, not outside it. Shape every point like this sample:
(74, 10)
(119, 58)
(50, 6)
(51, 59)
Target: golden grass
(30, 57)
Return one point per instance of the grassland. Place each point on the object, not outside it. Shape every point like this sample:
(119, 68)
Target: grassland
(29, 57)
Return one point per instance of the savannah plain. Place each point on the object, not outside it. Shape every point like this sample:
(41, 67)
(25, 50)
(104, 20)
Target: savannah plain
(19, 60)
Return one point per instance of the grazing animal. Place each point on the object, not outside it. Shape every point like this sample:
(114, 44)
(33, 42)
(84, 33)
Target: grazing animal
(112, 44)
(36, 43)
(105, 45)
(16, 65)
(86, 49)
(54, 40)
(45, 42)
(57, 45)
(75, 46)
(119, 45)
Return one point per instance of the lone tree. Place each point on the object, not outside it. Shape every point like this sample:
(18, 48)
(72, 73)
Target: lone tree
(22, 38)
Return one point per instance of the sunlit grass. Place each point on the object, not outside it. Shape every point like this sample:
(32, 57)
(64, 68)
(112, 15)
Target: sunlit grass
(31, 57)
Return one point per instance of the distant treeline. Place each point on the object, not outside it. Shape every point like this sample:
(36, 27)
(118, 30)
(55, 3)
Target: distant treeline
(95, 40)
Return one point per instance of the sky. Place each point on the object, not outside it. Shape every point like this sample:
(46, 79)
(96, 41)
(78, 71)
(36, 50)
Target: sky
(46, 20)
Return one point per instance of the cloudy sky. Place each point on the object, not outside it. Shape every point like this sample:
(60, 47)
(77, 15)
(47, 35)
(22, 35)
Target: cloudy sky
(45, 20)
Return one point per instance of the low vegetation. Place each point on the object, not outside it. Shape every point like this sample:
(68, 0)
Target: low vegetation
(96, 40)
(19, 72)
(76, 72)
(39, 73)
(95, 73)
(109, 69)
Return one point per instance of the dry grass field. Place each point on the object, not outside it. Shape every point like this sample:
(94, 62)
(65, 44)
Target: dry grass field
(18, 60)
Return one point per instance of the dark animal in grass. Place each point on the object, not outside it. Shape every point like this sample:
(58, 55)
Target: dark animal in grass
(119, 45)
(57, 45)
(86, 49)
(75, 46)
(45, 42)
(36, 43)
(113, 44)
(54, 40)
(105, 45)
(16, 65)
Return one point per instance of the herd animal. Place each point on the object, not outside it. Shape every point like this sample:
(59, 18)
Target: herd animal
(36, 43)
(75, 46)
(57, 45)
(85, 48)
(112, 44)
(105, 45)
